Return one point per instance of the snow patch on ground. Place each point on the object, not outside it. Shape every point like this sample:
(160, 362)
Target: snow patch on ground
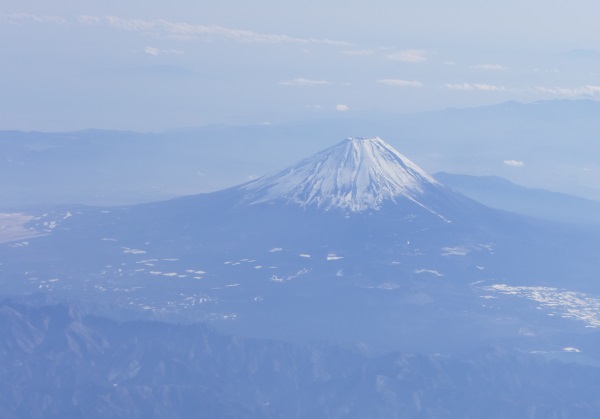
(133, 251)
(388, 286)
(276, 278)
(428, 271)
(455, 251)
(191, 271)
(566, 304)
(20, 244)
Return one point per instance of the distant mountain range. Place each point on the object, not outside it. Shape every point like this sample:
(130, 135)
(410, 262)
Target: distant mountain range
(555, 141)
(500, 193)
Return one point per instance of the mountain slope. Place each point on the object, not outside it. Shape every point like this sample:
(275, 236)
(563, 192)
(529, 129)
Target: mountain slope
(55, 363)
(357, 174)
(500, 193)
(354, 244)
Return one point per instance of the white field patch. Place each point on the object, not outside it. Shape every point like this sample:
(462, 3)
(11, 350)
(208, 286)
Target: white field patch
(133, 251)
(464, 250)
(276, 278)
(12, 227)
(239, 262)
(455, 251)
(566, 304)
(19, 244)
(146, 261)
(388, 286)
(50, 224)
(428, 271)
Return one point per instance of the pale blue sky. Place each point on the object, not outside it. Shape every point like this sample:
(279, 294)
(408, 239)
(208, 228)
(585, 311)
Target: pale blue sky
(148, 65)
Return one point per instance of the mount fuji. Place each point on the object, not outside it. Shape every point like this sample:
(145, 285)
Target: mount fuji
(355, 244)
(358, 174)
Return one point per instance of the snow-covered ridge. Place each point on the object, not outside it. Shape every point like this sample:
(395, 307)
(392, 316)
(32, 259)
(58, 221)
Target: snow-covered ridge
(357, 174)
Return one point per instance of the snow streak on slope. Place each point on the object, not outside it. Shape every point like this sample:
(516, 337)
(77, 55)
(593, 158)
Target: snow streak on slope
(357, 174)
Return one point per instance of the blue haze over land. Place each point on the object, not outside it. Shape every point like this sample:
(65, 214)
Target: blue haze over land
(149, 66)
(186, 230)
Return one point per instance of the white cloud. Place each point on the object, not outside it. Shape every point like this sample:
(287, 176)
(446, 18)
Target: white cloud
(156, 51)
(589, 90)
(151, 51)
(182, 30)
(303, 82)
(341, 108)
(514, 163)
(476, 87)
(491, 67)
(409, 56)
(401, 83)
(489, 87)
(363, 52)
(28, 17)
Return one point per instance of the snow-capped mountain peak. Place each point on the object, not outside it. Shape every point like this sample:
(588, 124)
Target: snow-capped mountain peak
(357, 174)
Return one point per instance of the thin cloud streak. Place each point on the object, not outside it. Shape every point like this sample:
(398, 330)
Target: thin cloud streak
(359, 52)
(188, 31)
(28, 17)
(588, 90)
(409, 56)
(303, 82)
(157, 51)
(490, 67)
(514, 163)
(401, 83)
(475, 87)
